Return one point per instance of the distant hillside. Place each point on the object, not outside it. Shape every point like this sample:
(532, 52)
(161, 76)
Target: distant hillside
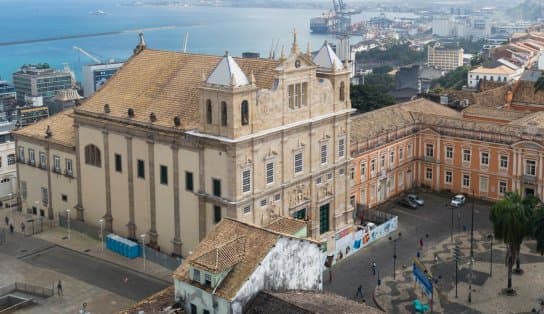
(528, 10)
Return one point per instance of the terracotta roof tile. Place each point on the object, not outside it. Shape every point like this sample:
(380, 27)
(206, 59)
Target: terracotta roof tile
(286, 225)
(499, 113)
(61, 126)
(257, 243)
(222, 257)
(167, 84)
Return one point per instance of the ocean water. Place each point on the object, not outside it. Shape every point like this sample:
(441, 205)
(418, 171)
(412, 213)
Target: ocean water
(212, 30)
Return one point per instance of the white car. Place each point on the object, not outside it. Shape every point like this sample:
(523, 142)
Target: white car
(458, 200)
(416, 199)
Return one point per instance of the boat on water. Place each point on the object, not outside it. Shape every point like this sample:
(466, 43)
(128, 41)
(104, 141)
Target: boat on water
(323, 24)
(98, 12)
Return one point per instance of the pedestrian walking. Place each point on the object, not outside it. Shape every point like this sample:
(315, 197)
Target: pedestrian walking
(11, 228)
(6, 219)
(418, 254)
(359, 292)
(374, 268)
(59, 288)
(436, 258)
(421, 243)
(23, 227)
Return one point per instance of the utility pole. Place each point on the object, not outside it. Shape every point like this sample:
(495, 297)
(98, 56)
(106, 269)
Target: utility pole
(451, 229)
(490, 237)
(395, 253)
(457, 256)
(472, 228)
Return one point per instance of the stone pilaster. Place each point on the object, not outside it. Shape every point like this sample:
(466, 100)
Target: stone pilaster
(152, 195)
(79, 205)
(177, 223)
(108, 217)
(48, 168)
(130, 171)
(201, 204)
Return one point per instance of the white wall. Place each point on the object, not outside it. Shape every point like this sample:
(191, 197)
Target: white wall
(293, 264)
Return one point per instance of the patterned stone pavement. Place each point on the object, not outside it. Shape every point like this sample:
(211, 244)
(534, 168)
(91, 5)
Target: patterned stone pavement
(397, 296)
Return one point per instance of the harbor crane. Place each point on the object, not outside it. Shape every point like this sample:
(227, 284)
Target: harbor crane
(95, 59)
(343, 17)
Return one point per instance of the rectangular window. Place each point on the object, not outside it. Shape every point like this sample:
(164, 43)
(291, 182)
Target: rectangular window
(246, 210)
(207, 281)
(194, 309)
(300, 214)
(42, 160)
(269, 172)
(372, 166)
(56, 164)
(23, 189)
(323, 218)
(530, 167)
(341, 171)
(318, 180)
(164, 175)
(216, 214)
(45, 197)
(189, 181)
(429, 173)
(401, 153)
(363, 170)
(196, 275)
(297, 95)
(484, 159)
(264, 202)
(466, 155)
(329, 176)
(216, 187)
(323, 154)
(31, 157)
(11, 159)
(391, 158)
(298, 162)
(448, 178)
(141, 169)
(382, 161)
(291, 96)
(466, 180)
(341, 147)
(502, 187)
(429, 150)
(410, 150)
(205, 312)
(449, 152)
(352, 173)
(483, 184)
(277, 197)
(504, 162)
(21, 154)
(118, 163)
(69, 169)
(246, 180)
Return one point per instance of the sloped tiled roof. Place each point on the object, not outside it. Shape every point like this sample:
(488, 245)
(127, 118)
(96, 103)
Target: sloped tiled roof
(327, 59)
(61, 126)
(222, 257)
(167, 84)
(371, 124)
(286, 225)
(227, 73)
(534, 119)
(257, 244)
(497, 113)
(305, 302)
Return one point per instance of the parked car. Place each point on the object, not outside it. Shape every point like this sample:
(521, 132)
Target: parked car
(458, 200)
(406, 202)
(416, 199)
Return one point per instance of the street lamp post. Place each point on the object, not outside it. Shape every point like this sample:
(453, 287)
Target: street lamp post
(472, 228)
(490, 237)
(471, 263)
(451, 228)
(68, 221)
(101, 221)
(395, 253)
(143, 247)
(457, 256)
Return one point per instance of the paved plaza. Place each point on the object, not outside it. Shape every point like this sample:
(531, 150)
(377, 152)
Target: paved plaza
(104, 280)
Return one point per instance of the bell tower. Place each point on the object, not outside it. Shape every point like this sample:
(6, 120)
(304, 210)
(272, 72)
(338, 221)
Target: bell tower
(227, 98)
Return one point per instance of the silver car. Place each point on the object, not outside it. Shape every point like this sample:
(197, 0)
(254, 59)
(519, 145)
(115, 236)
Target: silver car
(458, 200)
(416, 199)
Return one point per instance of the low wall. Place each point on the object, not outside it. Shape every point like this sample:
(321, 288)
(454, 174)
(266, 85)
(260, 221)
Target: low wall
(81, 226)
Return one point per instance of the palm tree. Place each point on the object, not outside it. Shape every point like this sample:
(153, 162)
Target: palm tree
(509, 218)
(538, 229)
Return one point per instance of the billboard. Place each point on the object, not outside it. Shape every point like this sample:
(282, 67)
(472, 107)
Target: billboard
(96, 75)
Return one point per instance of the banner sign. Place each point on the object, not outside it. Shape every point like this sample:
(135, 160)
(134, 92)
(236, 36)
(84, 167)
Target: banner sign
(423, 280)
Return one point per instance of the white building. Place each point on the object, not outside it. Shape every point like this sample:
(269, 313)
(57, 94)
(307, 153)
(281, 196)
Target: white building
(501, 73)
(95, 75)
(443, 27)
(8, 172)
(237, 260)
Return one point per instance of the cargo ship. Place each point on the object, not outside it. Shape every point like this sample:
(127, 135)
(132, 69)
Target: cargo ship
(323, 24)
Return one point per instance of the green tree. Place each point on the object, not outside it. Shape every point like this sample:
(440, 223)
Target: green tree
(539, 84)
(455, 79)
(538, 228)
(510, 220)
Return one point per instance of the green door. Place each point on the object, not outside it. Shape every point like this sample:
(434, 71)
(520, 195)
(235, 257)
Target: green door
(324, 218)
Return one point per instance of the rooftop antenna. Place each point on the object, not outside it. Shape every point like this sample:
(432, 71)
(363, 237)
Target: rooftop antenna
(185, 42)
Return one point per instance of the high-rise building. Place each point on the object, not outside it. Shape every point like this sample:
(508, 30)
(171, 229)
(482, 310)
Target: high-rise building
(40, 80)
(443, 58)
(96, 75)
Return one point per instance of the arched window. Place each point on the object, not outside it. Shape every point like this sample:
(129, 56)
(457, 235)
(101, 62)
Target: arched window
(209, 117)
(245, 112)
(342, 91)
(223, 113)
(92, 155)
